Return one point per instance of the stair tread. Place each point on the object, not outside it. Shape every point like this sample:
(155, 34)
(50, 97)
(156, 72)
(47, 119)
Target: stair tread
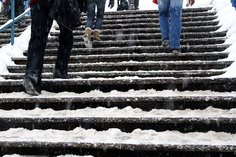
(137, 140)
(145, 49)
(128, 81)
(115, 115)
(125, 80)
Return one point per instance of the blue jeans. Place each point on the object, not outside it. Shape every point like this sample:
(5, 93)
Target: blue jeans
(171, 29)
(233, 3)
(91, 13)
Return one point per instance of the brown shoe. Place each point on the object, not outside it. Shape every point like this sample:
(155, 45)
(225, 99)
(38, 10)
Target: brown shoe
(96, 34)
(87, 37)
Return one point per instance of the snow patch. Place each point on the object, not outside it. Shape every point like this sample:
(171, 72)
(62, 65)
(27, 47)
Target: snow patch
(116, 136)
(115, 93)
(127, 112)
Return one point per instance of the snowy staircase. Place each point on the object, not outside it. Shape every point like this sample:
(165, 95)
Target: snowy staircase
(5, 36)
(141, 99)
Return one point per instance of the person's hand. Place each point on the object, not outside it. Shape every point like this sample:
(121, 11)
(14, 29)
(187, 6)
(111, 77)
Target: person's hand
(111, 4)
(191, 2)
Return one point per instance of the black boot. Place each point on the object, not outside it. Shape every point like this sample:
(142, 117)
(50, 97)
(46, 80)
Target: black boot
(60, 74)
(31, 85)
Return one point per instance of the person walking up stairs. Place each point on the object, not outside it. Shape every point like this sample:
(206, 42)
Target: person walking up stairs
(171, 29)
(91, 4)
(127, 96)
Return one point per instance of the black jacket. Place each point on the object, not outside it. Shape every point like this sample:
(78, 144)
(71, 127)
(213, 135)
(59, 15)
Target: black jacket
(67, 12)
(82, 5)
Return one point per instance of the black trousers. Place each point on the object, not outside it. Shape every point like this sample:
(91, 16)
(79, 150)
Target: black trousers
(40, 26)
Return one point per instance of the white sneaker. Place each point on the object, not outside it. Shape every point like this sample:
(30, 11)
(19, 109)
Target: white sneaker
(87, 42)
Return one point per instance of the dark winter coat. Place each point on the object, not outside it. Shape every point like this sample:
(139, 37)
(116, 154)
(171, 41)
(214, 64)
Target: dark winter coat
(82, 4)
(67, 12)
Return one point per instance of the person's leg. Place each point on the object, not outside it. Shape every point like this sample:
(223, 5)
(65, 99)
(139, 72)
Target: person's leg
(64, 52)
(7, 9)
(40, 27)
(234, 3)
(19, 9)
(89, 23)
(175, 23)
(99, 21)
(136, 4)
(163, 6)
(90, 13)
(100, 13)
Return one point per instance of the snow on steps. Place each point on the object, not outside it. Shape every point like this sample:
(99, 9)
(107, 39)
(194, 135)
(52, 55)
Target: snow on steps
(126, 119)
(201, 121)
(80, 85)
(141, 36)
(134, 66)
(140, 73)
(210, 56)
(148, 140)
(142, 49)
(146, 42)
(6, 34)
(143, 99)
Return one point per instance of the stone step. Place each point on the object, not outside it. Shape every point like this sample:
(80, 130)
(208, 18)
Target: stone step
(118, 143)
(127, 119)
(152, 24)
(186, 22)
(145, 36)
(125, 83)
(146, 100)
(186, 12)
(154, 42)
(140, 49)
(127, 93)
(134, 66)
(5, 36)
(132, 30)
(142, 74)
(17, 30)
(208, 56)
(5, 41)
(3, 21)
(187, 17)
(26, 16)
